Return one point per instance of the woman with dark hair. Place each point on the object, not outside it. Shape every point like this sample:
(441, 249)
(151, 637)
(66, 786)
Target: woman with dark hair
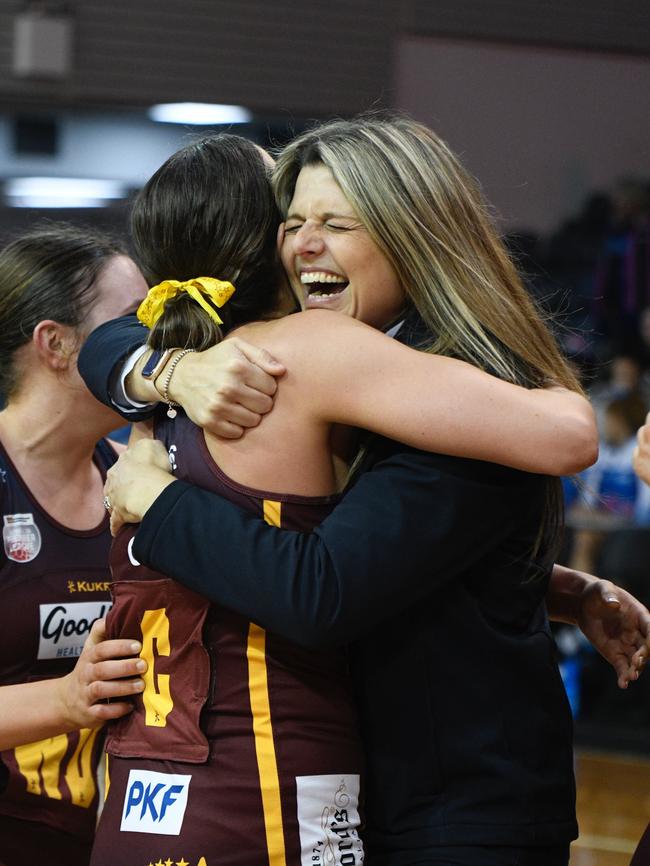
(260, 763)
(56, 284)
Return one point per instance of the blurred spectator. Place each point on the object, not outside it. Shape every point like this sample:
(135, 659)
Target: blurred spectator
(568, 263)
(625, 377)
(612, 497)
(622, 288)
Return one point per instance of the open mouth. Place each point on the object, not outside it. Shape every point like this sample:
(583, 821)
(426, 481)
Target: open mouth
(322, 284)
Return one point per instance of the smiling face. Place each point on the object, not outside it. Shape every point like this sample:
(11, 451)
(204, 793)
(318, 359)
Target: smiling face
(330, 259)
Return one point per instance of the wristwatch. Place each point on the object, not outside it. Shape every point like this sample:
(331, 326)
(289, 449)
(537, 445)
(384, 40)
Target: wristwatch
(156, 363)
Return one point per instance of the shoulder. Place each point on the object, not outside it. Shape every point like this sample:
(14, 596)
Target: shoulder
(325, 337)
(311, 322)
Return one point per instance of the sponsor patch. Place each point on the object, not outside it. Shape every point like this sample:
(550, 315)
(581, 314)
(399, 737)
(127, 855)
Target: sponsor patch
(65, 627)
(155, 803)
(328, 817)
(21, 537)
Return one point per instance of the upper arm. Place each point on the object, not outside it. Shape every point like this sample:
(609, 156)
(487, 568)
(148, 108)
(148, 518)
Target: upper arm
(440, 404)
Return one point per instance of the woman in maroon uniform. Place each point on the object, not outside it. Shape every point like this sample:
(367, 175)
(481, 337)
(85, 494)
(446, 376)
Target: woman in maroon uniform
(56, 284)
(244, 749)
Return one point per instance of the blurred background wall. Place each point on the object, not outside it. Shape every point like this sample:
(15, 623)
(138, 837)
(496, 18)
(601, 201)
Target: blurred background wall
(545, 100)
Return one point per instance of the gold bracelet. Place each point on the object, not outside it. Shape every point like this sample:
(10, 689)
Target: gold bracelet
(171, 406)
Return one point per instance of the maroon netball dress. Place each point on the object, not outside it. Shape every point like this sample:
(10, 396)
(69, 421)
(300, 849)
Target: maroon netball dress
(54, 583)
(243, 749)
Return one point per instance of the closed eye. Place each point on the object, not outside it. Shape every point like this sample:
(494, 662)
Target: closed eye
(292, 228)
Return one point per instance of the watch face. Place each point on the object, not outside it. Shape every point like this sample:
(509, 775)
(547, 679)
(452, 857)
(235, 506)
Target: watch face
(154, 359)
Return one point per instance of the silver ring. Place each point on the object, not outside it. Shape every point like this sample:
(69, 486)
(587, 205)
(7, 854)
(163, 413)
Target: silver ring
(107, 503)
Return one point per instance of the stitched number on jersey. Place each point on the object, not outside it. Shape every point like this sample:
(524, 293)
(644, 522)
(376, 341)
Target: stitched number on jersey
(41, 764)
(157, 697)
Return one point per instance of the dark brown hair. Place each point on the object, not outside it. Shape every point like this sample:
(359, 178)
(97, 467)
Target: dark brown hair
(47, 273)
(209, 211)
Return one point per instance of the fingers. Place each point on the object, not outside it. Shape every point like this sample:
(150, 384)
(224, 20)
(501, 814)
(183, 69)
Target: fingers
(101, 690)
(629, 671)
(643, 434)
(261, 359)
(640, 659)
(240, 374)
(108, 671)
(608, 593)
(105, 712)
(238, 395)
(116, 522)
(113, 649)
(97, 634)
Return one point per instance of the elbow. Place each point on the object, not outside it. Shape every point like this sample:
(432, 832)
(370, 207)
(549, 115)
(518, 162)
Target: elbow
(582, 441)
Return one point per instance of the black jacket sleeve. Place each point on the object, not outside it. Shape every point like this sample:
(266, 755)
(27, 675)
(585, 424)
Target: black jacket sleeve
(411, 523)
(102, 355)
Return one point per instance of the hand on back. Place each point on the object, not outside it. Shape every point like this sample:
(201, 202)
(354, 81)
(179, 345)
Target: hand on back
(227, 388)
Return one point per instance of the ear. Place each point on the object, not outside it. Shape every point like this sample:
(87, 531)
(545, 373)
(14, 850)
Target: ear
(280, 236)
(54, 343)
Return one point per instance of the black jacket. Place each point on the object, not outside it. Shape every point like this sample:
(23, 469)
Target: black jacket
(425, 569)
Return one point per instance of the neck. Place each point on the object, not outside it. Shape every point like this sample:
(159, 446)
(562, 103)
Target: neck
(57, 426)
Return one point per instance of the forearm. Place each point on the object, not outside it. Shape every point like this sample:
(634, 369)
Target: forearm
(31, 712)
(547, 431)
(444, 405)
(139, 389)
(566, 592)
(103, 356)
(397, 535)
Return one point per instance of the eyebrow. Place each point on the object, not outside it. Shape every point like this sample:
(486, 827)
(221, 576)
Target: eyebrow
(328, 215)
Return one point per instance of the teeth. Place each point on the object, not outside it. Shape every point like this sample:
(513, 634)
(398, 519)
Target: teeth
(320, 277)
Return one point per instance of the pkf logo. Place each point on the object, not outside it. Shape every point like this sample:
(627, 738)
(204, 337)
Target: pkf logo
(21, 537)
(65, 627)
(155, 803)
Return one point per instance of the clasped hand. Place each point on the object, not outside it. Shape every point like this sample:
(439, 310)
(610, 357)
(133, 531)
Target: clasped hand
(135, 481)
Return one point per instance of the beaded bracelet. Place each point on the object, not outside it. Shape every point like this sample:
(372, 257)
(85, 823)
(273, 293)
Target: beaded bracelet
(171, 406)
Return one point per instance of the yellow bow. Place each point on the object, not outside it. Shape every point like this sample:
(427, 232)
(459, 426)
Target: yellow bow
(219, 291)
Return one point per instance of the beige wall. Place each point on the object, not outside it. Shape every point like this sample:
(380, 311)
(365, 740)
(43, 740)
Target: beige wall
(541, 128)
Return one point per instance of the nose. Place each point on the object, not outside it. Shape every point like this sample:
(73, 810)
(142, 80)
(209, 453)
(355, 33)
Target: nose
(308, 240)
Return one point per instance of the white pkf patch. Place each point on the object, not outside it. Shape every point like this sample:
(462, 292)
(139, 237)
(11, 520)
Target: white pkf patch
(21, 537)
(155, 803)
(171, 453)
(328, 817)
(65, 627)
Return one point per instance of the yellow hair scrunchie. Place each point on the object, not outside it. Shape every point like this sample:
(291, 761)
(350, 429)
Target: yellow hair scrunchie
(219, 292)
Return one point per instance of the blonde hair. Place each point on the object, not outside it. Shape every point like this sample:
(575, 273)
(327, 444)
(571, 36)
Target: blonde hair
(428, 217)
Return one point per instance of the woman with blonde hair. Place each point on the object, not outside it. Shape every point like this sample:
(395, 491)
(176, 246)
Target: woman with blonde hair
(440, 548)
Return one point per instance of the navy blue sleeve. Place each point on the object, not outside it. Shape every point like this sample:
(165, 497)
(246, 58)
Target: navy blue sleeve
(102, 355)
(411, 523)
